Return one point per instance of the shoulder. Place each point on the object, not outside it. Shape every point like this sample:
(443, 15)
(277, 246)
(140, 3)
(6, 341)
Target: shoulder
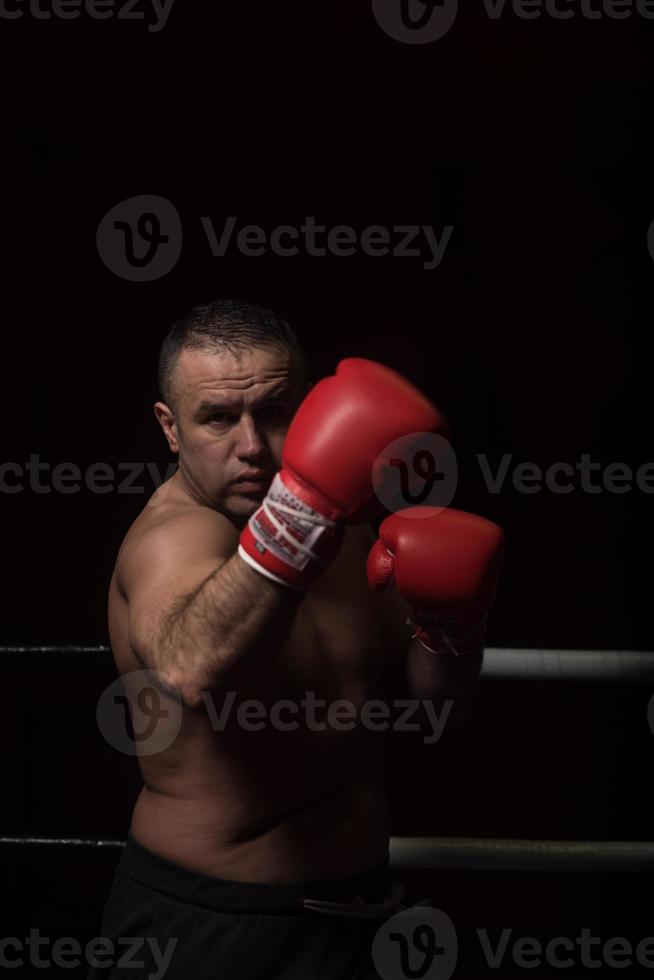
(172, 533)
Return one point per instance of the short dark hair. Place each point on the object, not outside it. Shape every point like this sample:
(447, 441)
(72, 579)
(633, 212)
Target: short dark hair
(225, 324)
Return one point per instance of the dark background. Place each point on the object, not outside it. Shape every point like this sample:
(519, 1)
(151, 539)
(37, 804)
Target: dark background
(531, 138)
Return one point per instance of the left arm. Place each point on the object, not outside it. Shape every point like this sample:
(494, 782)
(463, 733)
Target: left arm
(412, 672)
(435, 678)
(444, 564)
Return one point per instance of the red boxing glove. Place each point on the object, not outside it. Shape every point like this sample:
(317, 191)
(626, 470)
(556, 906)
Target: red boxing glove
(446, 564)
(326, 479)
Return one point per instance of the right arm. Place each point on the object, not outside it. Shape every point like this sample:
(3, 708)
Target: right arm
(197, 612)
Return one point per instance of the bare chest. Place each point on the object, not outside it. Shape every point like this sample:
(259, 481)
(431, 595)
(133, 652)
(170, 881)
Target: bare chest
(335, 645)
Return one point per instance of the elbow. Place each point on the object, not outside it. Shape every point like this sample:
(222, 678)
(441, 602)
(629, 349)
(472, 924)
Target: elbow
(177, 686)
(195, 690)
(186, 690)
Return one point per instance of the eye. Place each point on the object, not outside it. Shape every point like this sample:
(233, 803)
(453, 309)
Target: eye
(277, 410)
(219, 418)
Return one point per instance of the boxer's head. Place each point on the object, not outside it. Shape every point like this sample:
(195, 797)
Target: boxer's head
(231, 375)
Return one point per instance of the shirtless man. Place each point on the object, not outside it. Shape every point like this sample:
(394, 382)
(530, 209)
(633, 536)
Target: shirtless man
(237, 826)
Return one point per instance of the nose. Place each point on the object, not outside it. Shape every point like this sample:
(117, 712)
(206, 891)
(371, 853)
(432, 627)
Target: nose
(249, 444)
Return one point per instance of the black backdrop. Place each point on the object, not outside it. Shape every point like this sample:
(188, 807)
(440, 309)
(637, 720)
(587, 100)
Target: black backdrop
(530, 139)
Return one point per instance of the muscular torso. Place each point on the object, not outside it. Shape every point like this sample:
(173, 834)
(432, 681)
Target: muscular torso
(273, 805)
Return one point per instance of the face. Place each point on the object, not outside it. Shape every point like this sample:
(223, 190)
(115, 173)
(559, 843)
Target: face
(228, 425)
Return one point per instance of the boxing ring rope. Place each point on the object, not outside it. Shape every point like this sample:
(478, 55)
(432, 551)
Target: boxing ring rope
(568, 665)
(424, 853)
(500, 663)
(417, 853)
(501, 854)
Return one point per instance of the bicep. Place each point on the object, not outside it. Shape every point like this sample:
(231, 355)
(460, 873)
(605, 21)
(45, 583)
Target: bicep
(163, 571)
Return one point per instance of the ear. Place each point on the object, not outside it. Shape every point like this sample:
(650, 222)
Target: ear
(166, 420)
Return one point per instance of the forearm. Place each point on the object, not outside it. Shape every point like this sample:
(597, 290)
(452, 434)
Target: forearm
(441, 678)
(221, 631)
(445, 564)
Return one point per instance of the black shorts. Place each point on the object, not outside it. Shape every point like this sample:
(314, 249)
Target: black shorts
(162, 920)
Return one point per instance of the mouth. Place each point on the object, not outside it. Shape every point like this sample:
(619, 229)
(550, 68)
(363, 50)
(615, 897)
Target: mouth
(253, 482)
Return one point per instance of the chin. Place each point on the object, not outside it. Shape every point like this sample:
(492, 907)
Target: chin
(243, 505)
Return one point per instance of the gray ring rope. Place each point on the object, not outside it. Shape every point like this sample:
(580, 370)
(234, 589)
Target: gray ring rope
(635, 666)
(419, 853)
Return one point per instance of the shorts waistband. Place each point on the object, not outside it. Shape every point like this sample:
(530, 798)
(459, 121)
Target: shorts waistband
(221, 894)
